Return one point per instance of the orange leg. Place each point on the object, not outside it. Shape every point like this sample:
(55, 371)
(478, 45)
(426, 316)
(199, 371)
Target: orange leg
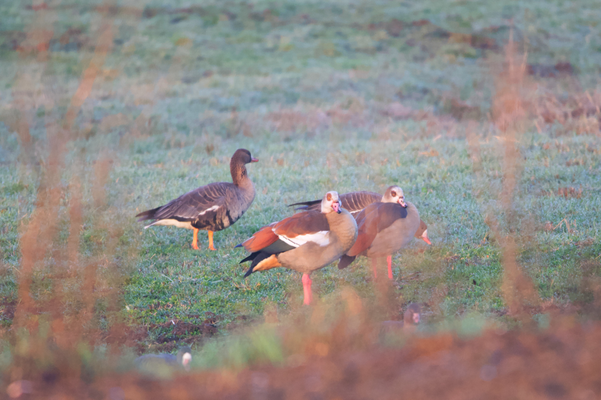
(308, 294)
(195, 240)
(211, 241)
(389, 260)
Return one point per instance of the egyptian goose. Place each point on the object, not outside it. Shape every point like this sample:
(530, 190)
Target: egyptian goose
(355, 202)
(384, 228)
(213, 207)
(159, 364)
(410, 320)
(304, 242)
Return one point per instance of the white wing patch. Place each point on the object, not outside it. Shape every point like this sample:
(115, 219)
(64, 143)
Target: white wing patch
(208, 209)
(171, 222)
(321, 238)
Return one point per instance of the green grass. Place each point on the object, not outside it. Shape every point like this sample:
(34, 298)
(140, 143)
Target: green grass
(306, 89)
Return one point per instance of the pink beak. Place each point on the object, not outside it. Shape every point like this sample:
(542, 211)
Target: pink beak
(416, 318)
(336, 207)
(425, 237)
(254, 159)
(402, 202)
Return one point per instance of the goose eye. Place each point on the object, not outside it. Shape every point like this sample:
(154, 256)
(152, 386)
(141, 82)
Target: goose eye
(329, 197)
(393, 193)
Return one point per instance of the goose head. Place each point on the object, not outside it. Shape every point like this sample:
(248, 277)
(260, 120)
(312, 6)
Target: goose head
(184, 356)
(412, 315)
(394, 194)
(422, 232)
(243, 156)
(331, 202)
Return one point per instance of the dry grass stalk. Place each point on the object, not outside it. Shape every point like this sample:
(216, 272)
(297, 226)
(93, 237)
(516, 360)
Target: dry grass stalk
(104, 46)
(509, 111)
(75, 221)
(38, 240)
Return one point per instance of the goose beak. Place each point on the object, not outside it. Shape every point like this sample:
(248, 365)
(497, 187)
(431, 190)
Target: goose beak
(402, 202)
(252, 159)
(416, 318)
(336, 207)
(425, 237)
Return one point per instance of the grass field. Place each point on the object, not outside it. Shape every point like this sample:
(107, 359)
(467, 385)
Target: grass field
(114, 108)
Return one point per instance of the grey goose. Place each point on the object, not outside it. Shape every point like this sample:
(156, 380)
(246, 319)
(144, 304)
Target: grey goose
(212, 207)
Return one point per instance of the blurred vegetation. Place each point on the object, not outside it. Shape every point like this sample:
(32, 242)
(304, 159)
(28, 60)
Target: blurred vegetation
(110, 108)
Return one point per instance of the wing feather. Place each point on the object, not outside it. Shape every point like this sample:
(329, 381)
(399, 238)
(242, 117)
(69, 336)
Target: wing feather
(261, 239)
(322, 238)
(357, 201)
(372, 220)
(305, 223)
(291, 232)
(202, 202)
(353, 202)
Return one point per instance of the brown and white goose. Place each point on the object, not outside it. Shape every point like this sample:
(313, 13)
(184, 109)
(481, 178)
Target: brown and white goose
(355, 202)
(384, 228)
(157, 363)
(213, 207)
(409, 323)
(304, 242)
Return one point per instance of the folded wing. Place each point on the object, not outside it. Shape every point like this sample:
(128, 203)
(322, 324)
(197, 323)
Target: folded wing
(294, 231)
(203, 203)
(372, 220)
